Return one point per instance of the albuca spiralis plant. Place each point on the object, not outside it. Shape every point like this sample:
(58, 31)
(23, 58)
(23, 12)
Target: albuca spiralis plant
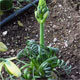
(43, 61)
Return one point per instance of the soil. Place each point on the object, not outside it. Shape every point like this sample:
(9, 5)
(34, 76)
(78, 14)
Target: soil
(62, 30)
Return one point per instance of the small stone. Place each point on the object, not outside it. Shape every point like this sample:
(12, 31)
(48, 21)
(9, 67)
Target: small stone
(69, 31)
(55, 39)
(4, 53)
(55, 27)
(8, 44)
(12, 51)
(14, 55)
(4, 33)
(48, 31)
(37, 35)
(66, 44)
(73, 77)
(69, 17)
(18, 37)
(26, 29)
(60, 5)
(14, 23)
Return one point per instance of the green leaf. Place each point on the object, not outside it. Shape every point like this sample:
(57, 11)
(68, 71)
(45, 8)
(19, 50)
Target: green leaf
(3, 47)
(1, 65)
(12, 68)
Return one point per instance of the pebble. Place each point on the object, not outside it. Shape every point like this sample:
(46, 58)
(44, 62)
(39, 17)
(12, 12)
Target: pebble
(66, 44)
(4, 53)
(37, 35)
(73, 77)
(18, 37)
(14, 23)
(69, 17)
(55, 39)
(8, 44)
(69, 31)
(55, 27)
(12, 50)
(4, 33)
(60, 5)
(48, 31)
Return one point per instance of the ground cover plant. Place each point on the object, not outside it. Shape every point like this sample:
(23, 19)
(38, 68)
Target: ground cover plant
(43, 60)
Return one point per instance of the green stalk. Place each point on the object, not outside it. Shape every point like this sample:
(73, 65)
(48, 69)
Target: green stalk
(41, 15)
(42, 34)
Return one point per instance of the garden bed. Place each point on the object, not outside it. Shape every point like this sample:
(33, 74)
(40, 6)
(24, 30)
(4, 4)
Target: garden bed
(62, 31)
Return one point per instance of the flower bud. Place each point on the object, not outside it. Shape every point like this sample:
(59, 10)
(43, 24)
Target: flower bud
(42, 11)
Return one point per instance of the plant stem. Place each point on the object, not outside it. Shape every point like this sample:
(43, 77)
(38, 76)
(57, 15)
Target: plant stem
(41, 34)
(26, 65)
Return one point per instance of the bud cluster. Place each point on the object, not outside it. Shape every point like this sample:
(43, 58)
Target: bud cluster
(42, 11)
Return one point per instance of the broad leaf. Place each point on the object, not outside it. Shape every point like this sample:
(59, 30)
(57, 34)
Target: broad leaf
(12, 68)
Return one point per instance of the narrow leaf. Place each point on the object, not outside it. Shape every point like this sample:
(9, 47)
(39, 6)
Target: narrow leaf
(1, 65)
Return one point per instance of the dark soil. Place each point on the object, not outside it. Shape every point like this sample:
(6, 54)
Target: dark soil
(62, 30)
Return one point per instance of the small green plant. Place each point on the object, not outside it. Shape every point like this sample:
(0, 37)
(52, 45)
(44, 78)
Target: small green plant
(43, 61)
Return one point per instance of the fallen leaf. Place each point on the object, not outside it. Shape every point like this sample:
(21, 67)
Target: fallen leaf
(3, 47)
(20, 23)
(12, 68)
